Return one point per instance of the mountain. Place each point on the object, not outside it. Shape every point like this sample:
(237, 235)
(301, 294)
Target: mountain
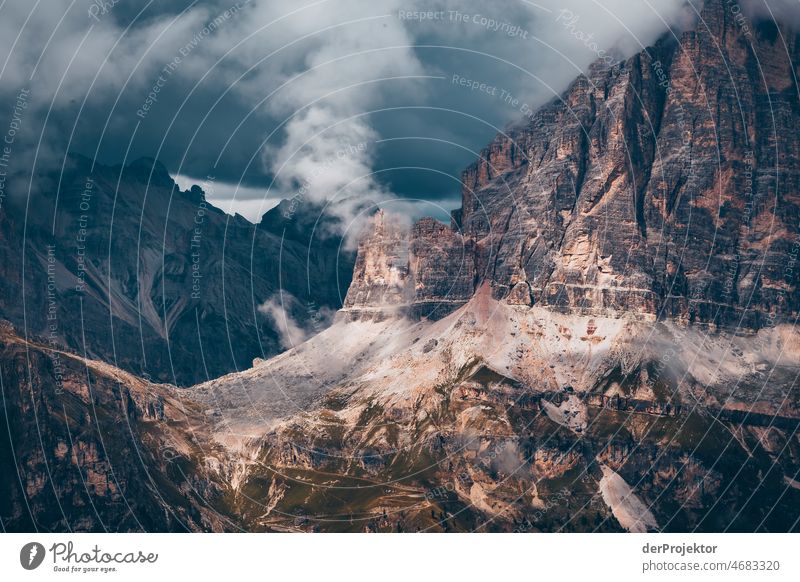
(89, 447)
(603, 339)
(121, 265)
(503, 417)
(666, 186)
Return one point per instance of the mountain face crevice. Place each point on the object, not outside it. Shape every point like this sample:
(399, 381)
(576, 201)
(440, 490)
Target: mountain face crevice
(635, 190)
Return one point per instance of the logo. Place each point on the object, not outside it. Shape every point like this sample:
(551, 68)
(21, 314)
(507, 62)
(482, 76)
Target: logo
(31, 555)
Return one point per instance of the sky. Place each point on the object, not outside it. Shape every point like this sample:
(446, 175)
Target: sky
(386, 100)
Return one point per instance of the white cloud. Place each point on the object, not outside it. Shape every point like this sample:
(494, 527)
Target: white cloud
(278, 308)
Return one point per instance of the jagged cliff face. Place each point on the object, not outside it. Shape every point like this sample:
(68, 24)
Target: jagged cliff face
(665, 186)
(136, 273)
(425, 271)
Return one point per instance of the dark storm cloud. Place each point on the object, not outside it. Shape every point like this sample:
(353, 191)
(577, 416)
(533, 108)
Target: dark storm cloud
(85, 73)
(329, 98)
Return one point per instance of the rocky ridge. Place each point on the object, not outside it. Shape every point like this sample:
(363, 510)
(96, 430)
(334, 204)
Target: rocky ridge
(89, 447)
(137, 273)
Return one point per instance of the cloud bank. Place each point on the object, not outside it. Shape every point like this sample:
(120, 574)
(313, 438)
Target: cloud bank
(326, 99)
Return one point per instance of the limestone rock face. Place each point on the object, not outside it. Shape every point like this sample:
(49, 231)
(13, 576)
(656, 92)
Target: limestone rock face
(426, 271)
(381, 271)
(520, 294)
(664, 186)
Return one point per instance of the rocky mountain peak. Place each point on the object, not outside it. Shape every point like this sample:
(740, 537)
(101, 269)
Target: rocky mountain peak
(665, 186)
(149, 170)
(424, 271)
